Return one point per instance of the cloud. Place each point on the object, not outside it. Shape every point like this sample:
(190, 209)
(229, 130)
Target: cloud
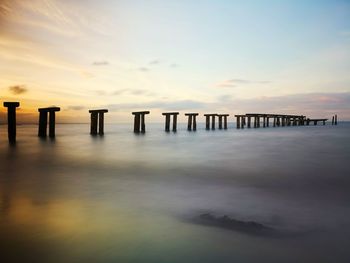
(173, 65)
(18, 89)
(143, 69)
(159, 104)
(154, 62)
(76, 107)
(143, 92)
(100, 63)
(231, 83)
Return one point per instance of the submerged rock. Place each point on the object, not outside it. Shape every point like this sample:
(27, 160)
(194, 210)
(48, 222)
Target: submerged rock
(248, 227)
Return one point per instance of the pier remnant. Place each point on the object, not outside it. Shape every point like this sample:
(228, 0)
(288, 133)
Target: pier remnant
(220, 117)
(207, 121)
(335, 119)
(97, 117)
(11, 120)
(167, 120)
(139, 121)
(192, 123)
(43, 112)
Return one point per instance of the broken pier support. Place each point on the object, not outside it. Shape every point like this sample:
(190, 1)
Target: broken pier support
(220, 117)
(11, 120)
(167, 120)
(207, 121)
(97, 117)
(139, 121)
(192, 123)
(43, 113)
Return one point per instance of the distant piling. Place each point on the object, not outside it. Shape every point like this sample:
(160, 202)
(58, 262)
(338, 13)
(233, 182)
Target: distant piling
(167, 120)
(139, 121)
(11, 120)
(222, 117)
(191, 123)
(97, 120)
(207, 121)
(43, 114)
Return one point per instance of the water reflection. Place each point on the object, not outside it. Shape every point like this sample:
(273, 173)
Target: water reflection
(123, 197)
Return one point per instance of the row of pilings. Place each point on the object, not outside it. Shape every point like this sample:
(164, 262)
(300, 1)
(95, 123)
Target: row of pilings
(249, 120)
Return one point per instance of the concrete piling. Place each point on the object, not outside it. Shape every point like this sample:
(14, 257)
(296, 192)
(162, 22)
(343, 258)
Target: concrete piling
(192, 123)
(223, 118)
(97, 119)
(139, 121)
(11, 120)
(207, 121)
(167, 120)
(43, 114)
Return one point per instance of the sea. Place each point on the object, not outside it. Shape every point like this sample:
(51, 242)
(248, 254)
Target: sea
(203, 196)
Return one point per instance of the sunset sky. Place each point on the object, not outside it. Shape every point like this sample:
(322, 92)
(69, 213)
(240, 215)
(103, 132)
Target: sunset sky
(202, 56)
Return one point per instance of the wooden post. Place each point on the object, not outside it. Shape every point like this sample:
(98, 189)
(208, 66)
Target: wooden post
(238, 121)
(100, 123)
(332, 120)
(11, 120)
(174, 122)
(249, 120)
(274, 121)
(207, 122)
(258, 121)
(267, 121)
(137, 123)
(167, 122)
(242, 122)
(189, 125)
(143, 126)
(93, 123)
(336, 120)
(264, 121)
(213, 122)
(324, 122)
(194, 122)
(220, 121)
(225, 122)
(52, 124)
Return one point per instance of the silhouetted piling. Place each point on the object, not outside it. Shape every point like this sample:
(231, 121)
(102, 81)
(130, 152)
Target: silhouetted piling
(167, 120)
(192, 123)
(11, 120)
(207, 121)
(97, 119)
(336, 120)
(139, 121)
(43, 112)
(223, 117)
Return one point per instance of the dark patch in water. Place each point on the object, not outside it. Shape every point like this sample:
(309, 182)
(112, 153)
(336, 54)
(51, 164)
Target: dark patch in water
(246, 227)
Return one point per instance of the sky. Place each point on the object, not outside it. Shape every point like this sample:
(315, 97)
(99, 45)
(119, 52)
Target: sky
(221, 56)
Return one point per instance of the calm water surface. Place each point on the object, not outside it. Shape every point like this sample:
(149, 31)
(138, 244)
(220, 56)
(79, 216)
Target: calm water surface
(128, 198)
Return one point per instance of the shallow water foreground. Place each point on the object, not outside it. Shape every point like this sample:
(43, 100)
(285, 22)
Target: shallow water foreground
(127, 198)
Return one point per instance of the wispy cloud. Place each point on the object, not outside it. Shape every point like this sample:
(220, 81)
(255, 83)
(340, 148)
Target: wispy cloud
(154, 62)
(100, 63)
(76, 107)
(18, 89)
(143, 69)
(231, 83)
(158, 104)
(136, 92)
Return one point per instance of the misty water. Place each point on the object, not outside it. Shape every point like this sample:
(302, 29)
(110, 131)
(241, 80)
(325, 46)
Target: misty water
(136, 198)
